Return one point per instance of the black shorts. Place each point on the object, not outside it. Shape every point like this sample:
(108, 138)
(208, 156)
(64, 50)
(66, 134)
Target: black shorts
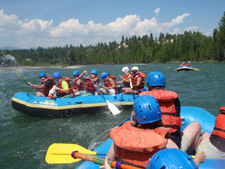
(176, 137)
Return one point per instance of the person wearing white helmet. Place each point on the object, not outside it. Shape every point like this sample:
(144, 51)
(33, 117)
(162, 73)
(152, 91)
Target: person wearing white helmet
(136, 81)
(125, 80)
(189, 64)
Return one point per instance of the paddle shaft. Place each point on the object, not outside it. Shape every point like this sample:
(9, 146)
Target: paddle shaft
(96, 87)
(100, 160)
(22, 79)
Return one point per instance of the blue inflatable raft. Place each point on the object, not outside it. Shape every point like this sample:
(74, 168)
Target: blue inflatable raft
(188, 114)
(45, 107)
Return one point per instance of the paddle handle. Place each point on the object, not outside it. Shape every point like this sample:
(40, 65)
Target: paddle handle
(101, 160)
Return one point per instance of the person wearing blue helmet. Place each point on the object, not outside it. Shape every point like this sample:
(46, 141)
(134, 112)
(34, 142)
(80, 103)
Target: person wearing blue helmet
(90, 88)
(63, 88)
(109, 84)
(176, 159)
(170, 107)
(171, 158)
(45, 86)
(135, 142)
(182, 64)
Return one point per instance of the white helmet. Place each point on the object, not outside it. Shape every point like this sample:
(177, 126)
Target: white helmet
(135, 68)
(125, 70)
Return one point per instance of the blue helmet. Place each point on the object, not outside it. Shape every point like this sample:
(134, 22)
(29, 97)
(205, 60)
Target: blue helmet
(146, 109)
(94, 72)
(171, 158)
(42, 74)
(76, 73)
(56, 75)
(104, 75)
(156, 79)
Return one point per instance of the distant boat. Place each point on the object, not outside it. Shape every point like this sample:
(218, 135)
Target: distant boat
(186, 68)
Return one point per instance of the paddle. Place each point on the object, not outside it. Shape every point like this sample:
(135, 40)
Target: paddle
(101, 161)
(111, 106)
(22, 79)
(59, 153)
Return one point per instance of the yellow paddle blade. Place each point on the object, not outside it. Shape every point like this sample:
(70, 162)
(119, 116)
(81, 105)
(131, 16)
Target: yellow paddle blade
(20, 77)
(59, 153)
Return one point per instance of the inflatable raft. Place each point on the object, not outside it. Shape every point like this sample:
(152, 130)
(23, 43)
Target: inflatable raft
(188, 114)
(45, 107)
(186, 68)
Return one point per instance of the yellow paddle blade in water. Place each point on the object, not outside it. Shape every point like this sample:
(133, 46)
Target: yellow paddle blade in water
(59, 153)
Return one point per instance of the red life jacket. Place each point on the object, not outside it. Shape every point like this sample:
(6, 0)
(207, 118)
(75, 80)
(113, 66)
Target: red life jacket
(89, 85)
(108, 84)
(45, 91)
(171, 119)
(126, 84)
(75, 86)
(136, 145)
(134, 80)
(67, 79)
(219, 128)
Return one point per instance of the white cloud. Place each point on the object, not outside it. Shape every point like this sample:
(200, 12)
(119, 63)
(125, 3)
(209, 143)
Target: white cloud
(191, 28)
(157, 11)
(38, 32)
(178, 20)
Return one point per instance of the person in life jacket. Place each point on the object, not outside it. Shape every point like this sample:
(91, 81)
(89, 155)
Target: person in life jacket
(137, 82)
(214, 145)
(125, 80)
(176, 159)
(78, 84)
(189, 64)
(45, 86)
(109, 84)
(164, 159)
(91, 84)
(170, 108)
(183, 64)
(135, 142)
(63, 88)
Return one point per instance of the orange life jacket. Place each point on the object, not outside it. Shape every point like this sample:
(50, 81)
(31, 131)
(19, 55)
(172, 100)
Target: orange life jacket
(182, 65)
(219, 128)
(67, 79)
(45, 91)
(126, 84)
(170, 118)
(89, 85)
(134, 80)
(75, 86)
(136, 145)
(108, 84)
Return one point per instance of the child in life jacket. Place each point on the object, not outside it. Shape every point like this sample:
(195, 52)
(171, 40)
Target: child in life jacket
(147, 123)
(91, 84)
(78, 84)
(64, 87)
(109, 84)
(125, 80)
(45, 86)
(170, 108)
(137, 81)
(214, 145)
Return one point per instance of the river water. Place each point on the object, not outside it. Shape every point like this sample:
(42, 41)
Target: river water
(24, 139)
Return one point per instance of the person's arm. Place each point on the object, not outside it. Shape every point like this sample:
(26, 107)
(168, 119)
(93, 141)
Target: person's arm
(37, 87)
(112, 152)
(82, 74)
(199, 158)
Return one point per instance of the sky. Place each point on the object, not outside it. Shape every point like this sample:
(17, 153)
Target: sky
(51, 23)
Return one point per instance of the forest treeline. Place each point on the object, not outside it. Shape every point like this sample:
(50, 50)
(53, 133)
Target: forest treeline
(189, 46)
